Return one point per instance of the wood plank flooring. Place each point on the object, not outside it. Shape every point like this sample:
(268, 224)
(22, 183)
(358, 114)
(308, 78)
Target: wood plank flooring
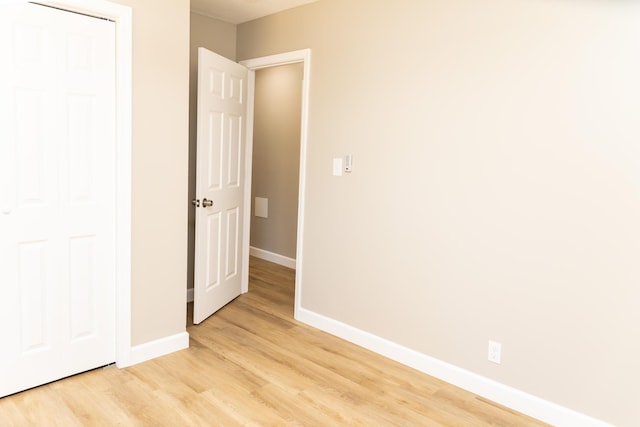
(252, 364)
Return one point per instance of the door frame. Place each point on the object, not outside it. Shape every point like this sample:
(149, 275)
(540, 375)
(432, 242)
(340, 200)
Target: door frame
(297, 56)
(122, 16)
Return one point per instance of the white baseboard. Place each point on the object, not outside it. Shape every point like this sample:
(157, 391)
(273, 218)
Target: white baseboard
(517, 400)
(272, 257)
(189, 294)
(147, 351)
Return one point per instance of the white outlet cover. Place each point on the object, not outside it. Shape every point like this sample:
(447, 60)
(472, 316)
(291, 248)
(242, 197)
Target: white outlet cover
(495, 352)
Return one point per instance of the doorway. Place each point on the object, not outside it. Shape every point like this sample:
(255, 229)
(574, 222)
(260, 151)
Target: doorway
(303, 57)
(276, 163)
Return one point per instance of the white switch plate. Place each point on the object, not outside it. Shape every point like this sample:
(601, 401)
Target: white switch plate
(337, 166)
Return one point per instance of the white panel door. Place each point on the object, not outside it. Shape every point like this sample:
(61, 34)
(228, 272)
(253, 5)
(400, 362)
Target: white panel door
(219, 184)
(57, 195)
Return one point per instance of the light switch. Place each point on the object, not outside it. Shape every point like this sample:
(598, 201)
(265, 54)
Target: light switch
(348, 160)
(337, 166)
(261, 207)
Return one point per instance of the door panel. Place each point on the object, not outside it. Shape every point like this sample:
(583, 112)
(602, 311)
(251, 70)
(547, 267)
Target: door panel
(233, 218)
(213, 250)
(57, 195)
(234, 151)
(220, 168)
(32, 282)
(214, 140)
(82, 284)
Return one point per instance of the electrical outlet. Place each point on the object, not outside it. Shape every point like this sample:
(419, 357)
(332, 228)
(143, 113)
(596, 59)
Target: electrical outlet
(495, 352)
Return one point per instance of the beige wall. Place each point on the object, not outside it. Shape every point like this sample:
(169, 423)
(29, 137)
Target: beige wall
(218, 37)
(495, 191)
(159, 167)
(276, 157)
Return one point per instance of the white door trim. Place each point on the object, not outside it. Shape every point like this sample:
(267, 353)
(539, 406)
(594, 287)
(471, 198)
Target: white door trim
(303, 56)
(122, 16)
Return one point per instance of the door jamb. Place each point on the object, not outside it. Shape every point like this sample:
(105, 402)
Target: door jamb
(304, 56)
(122, 16)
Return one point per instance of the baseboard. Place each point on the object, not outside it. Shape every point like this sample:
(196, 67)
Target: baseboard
(272, 257)
(517, 400)
(151, 350)
(189, 294)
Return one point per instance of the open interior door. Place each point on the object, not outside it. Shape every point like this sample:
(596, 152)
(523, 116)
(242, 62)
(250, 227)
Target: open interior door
(222, 87)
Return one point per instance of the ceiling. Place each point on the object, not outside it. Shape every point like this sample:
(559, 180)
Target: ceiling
(239, 11)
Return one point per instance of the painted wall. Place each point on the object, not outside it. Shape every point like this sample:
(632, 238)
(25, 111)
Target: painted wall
(496, 184)
(159, 167)
(218, 37)
(276, 157)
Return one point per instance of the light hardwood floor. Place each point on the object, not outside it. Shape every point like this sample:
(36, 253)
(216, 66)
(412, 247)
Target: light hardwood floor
(253, 364)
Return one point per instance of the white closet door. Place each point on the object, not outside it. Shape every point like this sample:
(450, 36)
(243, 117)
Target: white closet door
(57, 195)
